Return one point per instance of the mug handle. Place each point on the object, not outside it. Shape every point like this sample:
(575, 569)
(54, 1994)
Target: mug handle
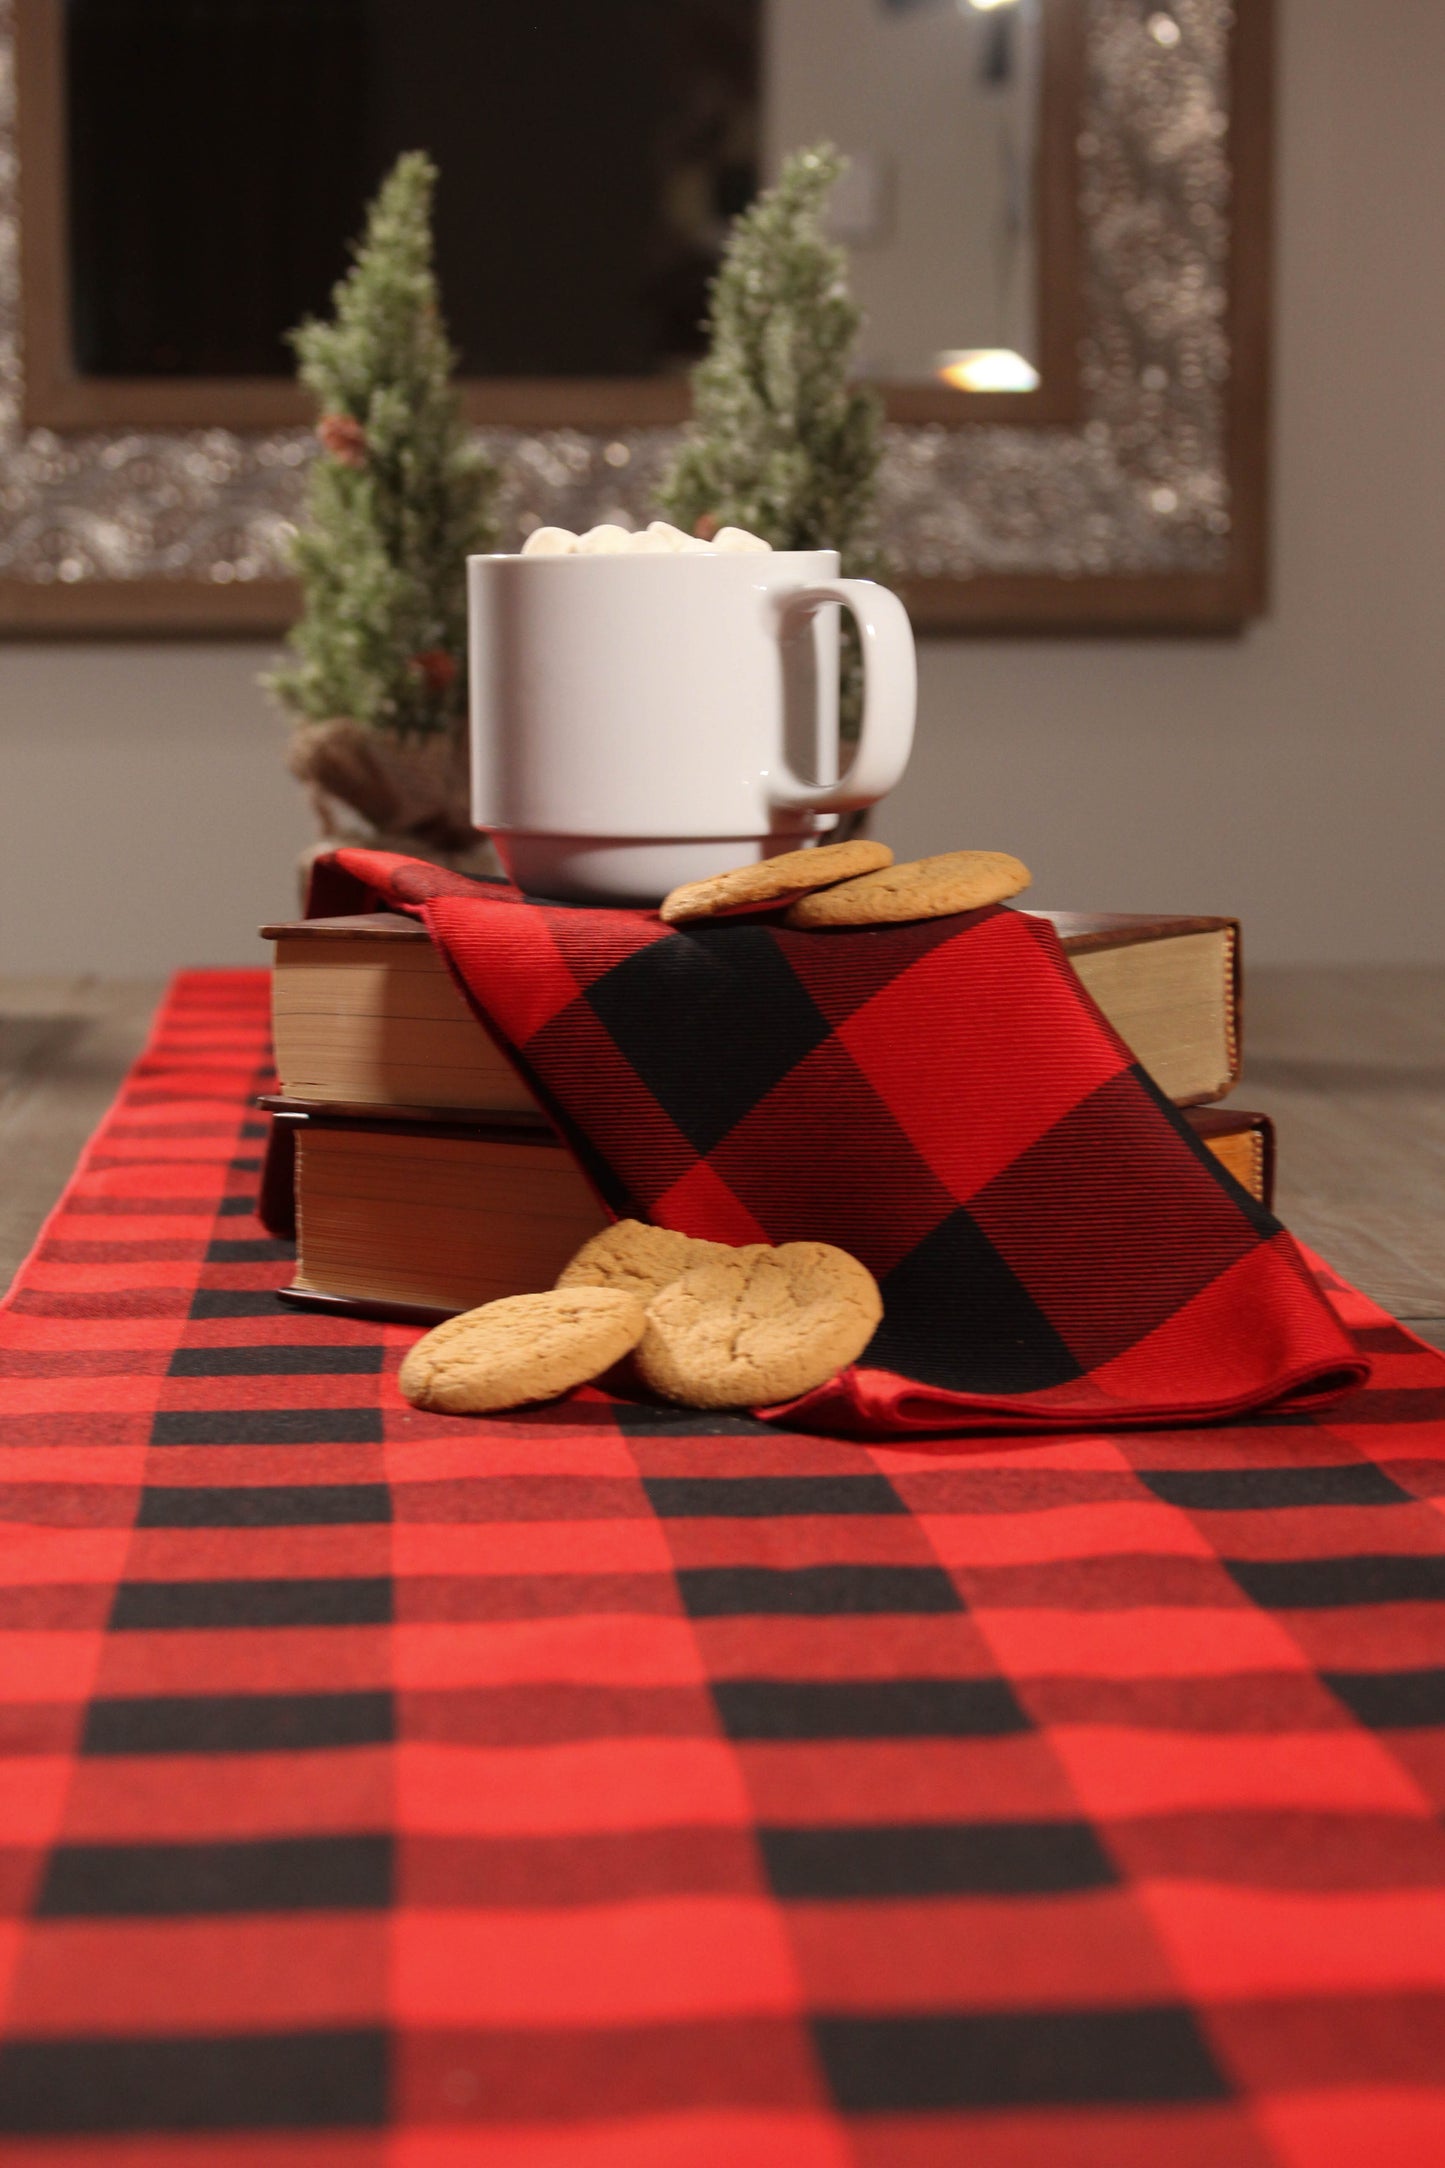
(890, 699)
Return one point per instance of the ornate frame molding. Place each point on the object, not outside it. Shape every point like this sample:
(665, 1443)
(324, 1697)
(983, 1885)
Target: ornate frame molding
(1147, 513)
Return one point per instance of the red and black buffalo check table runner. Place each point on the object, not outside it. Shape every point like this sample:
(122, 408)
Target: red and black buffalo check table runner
(614, 1787)
(1053, 1243)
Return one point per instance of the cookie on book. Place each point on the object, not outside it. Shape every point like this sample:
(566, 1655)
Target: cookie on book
(758, 1325)
(525, 1347)
(923, 888)
(773, 880)
(639, 1259)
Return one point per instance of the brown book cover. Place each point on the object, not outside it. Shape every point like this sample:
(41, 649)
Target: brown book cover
(1244, 1143)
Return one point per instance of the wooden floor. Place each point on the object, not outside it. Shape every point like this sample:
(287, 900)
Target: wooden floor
(64, 1046)
(1351, 1063)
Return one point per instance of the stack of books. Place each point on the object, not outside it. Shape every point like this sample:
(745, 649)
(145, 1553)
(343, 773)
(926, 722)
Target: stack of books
(427, 1179)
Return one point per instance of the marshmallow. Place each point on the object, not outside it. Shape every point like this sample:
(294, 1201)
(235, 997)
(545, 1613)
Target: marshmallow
(733, 541)
(550, 542)
(604, 541)
(662, 535)
(658, 540)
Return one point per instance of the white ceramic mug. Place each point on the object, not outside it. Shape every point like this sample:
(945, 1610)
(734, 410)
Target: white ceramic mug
(640, 721)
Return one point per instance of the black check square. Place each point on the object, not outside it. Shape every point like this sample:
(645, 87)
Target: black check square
(711, 1021)
(955, 1315)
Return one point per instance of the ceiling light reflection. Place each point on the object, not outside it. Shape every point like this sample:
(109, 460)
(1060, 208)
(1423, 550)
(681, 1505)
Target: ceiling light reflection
(986, 368)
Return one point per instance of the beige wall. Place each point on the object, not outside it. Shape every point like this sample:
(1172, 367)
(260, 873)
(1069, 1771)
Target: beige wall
(1296, 776)
(146, 819)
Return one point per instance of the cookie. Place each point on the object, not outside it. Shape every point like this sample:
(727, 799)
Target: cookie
(773, 880)
(758, 1325)
(924, 888)
(639, 1259)
(525, 1347)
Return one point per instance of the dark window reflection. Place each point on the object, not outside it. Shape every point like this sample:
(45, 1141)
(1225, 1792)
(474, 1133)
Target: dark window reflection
(221, 153)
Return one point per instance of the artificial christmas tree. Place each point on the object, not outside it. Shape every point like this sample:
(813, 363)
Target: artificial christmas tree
(398, 498)
(782, 442)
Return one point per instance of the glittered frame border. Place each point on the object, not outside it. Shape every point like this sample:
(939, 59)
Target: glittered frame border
(1149, 513)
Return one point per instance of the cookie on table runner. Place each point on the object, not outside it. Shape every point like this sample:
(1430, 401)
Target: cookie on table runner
(757, 1325)
(773, 880)
(641, 1260)
(923, 888)
(525, 1347)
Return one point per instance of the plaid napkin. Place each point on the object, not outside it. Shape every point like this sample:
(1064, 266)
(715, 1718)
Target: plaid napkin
(1054, 1246)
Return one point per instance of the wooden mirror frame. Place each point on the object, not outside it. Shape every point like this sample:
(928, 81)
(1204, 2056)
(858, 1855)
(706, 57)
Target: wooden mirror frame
(67, 453)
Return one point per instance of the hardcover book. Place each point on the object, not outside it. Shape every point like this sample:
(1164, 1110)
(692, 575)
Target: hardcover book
(417, 1220)
(367, 1017)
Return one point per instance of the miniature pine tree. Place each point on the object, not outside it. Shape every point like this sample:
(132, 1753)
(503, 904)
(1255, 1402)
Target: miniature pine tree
(399, 495)
(782, 443)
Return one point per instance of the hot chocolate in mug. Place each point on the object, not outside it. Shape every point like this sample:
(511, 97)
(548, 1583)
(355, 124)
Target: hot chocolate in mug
(639, 721)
